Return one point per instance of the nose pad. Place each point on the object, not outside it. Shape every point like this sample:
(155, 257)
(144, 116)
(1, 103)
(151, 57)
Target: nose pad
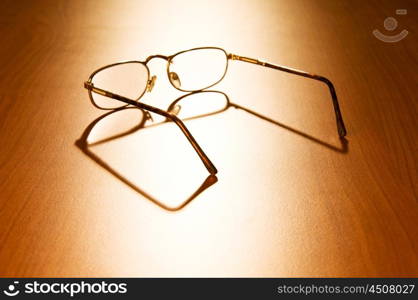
(175, 110)
(175, 80)
(151, 83)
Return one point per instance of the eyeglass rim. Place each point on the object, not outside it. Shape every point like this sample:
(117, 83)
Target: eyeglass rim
(90, 79)
(171, 57)
(144, 63)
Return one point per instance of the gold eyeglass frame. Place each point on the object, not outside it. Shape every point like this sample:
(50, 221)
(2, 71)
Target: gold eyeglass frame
(172, 116)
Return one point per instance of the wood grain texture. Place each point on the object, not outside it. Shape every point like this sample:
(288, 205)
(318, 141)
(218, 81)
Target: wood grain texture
(287, 201)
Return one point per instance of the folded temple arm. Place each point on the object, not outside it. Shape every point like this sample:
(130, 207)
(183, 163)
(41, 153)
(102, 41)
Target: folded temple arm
(339, 119)
(206, 161)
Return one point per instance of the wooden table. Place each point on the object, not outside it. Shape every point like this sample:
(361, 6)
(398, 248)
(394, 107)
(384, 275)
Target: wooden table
(290, 199)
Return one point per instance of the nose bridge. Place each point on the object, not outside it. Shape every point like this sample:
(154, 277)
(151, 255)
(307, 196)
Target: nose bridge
(156, 56)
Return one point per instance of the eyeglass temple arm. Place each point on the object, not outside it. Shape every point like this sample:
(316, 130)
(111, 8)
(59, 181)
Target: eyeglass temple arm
(338, 116)
(206, 161)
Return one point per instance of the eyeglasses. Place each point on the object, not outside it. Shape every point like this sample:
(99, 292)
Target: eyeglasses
(192, 71)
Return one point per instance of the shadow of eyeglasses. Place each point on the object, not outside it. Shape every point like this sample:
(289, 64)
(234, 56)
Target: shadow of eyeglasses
(83, 144)
(342, 148)
(186, 109)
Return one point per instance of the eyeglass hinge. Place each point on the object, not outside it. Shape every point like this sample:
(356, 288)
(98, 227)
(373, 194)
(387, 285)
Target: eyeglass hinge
(88, 85)
(246, 59)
